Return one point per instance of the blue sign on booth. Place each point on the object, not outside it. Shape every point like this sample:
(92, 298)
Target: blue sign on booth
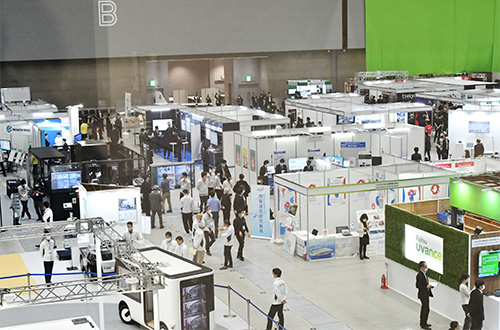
(353, 144)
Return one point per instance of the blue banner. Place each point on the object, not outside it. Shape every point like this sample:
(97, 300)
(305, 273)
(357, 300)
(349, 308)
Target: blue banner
(353, 144)
(261, 201)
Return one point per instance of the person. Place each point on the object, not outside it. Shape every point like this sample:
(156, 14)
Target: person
(165, 193)
(213, 181)
(228, 184)
(439, 147)
(184, 184)
(130, 235)
(208, 99)
(115, 134)
(364, 237)
(240, 229)
(416, 156)
(167, 137)
(225, 203)
(155, 204)
(465, 296)
(281, 167)
(199, 243)
(202, 186)
(187, 208)
(209, 230)
(445, 147)
(424, 293)
(255, 101)
(145, 191)
(84, 129)
(58, 141)
(38, 194)
(167, 243)
(300, 123)
(427, 152)
(215, 206)
(308, 122)
(205, 159)
(280, 291)
(239, 100)
(109, 127)
(241, 183)
(428, 127)
(119, 125)
(308, 167)
(455, 326)
(24, 195)
(438, 127)
(47, 251)
(239, 204)
(263, 173)
(222, 170)
(476, 307)
(478, 149)
(181, 249)
(48, 215)
(227, 234)
(47, 143)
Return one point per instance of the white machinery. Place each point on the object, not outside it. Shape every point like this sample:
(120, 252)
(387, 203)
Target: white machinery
(188, 291)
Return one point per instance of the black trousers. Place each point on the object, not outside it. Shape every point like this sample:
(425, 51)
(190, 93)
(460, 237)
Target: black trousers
(272, 312)
(209, 238)
(428, 154)
(203, 203)
(38, 207)
(467, 318)
(241, 241)
(216, 222)
(476, 323)
(362, 251)
(226, 213)
(153, 220)
(424, 311)
(187, 221)
(48, 266)
(228, 259)
(25, 209)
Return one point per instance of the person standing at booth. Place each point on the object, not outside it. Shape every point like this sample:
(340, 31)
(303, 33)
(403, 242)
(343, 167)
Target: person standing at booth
(476, 307)
(145, 191)
(465, 296)
(263, 173)
(202, 187)
(187, 208)
(239, 100)
(205, 159)
(38, 194)
(417, 157)
(48, 215)
(424, 293)
(308, 167)
(155, 202)
(281, 167)
(478, 149)
(165, 193)
(47, 251)
(241, 229)
(364, 237)
(24, 196)
(84, 129)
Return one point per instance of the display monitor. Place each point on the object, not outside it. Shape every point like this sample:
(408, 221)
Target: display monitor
(65, 180)
(489, 263)
(479, 126)
(271, 170)
(346, 120)
(297, 164)
(207, 133)
(196, 303)
(5, 145)
(337, 160)
(214, 140)
(162, 124)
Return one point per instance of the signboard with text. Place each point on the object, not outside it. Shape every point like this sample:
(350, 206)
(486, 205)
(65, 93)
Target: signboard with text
(260, 197)
(423, 246)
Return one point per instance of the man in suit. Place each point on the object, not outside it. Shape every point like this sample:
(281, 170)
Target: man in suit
(476, 308)
(424, 293)
(281, 167)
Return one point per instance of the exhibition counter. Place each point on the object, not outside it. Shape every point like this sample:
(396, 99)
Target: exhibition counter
(321, 246)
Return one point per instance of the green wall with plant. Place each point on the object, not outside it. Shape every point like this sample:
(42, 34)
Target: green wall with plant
(455, 244)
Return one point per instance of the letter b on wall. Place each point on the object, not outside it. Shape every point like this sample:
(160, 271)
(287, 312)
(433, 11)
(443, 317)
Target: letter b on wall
(107, 13)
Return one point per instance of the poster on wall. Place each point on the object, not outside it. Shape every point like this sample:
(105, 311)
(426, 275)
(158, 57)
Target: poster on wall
(261, 203)
(127, 209)
(252, 160)
(245, 157)
(336, 199)
(289, 243)
(412, 194)
(279, 155)
(238, 155)
(323, 248)
(376, 224)
(287, 210)
(435, 191)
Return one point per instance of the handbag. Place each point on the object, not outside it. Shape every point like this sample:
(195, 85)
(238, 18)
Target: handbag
(192, 251)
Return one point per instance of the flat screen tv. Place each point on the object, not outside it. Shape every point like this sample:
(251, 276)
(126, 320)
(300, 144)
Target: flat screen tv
(162, 124)
(346, 120)
(479, 126)
(297, 164)
(337, 160)
(5, 145)
(489, 263)
(65, 180)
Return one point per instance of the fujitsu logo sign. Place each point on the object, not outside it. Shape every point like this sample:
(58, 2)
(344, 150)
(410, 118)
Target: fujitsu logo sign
(107, 13)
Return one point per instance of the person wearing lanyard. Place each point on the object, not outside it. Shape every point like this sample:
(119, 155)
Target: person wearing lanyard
(215, 207)
(47, 252)
(227, 237)
(48, 215)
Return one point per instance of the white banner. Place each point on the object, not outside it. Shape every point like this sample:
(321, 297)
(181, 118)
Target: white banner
(423, 246)
(260, 201)
(128, 103)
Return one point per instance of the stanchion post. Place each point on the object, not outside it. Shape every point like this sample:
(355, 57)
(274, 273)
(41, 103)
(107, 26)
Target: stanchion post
(229, 315)
(29, 287)
(248, 314)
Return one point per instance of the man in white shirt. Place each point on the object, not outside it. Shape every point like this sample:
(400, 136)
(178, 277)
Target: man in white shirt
(168, 244)
(130, 235)
(227, 234)
(58, 141)
(48, 215)
(228, 184)
(181, 249)
(187, 207)
(47, 252)
(199, 243)
(209, 228)
(202, 187)
(280, 291)
(184, 183)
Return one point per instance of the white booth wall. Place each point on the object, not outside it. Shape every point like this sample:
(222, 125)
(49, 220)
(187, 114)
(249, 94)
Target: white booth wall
(22, 135)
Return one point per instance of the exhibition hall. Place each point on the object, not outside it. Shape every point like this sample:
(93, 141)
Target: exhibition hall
(227, 165)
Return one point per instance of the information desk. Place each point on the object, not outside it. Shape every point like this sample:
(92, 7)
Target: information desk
(321, 246)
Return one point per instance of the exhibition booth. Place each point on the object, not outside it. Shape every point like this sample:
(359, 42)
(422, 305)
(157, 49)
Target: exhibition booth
(331, 202)
(455, 236)
(307, 87)
(296, 145)
(477, 165)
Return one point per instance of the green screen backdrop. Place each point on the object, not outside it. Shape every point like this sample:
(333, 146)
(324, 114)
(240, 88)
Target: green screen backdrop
(444, 36)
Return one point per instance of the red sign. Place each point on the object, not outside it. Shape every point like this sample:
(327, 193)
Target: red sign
(443, 165)
(435, 189)
(464, 164)
(312, 185)
(361, 181)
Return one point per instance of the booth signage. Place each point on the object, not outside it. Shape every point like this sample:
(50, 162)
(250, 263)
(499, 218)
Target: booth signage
(18, 130)
(464, 164)
(423, 246)
(261, 226)
(353, 144)
(481, 242)
(406, 97)
(387, 185)
(445, 165)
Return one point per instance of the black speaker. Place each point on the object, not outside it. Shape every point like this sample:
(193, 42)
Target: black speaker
(315, 232)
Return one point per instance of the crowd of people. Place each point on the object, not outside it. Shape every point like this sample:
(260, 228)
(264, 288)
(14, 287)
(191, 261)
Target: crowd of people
(93, 127)
(168, 140)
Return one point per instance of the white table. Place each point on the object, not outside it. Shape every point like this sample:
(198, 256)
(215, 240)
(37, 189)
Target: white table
(319, 246)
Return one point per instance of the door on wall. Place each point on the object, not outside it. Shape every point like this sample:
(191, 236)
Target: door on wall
(195, 141)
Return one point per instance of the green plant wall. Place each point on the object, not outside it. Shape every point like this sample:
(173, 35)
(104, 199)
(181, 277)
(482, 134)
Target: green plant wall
(445, 36)
(455, 244)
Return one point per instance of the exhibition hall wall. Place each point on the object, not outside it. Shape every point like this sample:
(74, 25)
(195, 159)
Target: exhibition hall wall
(422, 37)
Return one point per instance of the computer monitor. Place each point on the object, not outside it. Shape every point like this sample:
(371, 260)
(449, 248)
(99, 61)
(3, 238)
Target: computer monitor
(297, 164)
(339, 229)
(271, 169)
(5, 145)
(162, 124)
(346, 120)
(214, 140)
(337, 160)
